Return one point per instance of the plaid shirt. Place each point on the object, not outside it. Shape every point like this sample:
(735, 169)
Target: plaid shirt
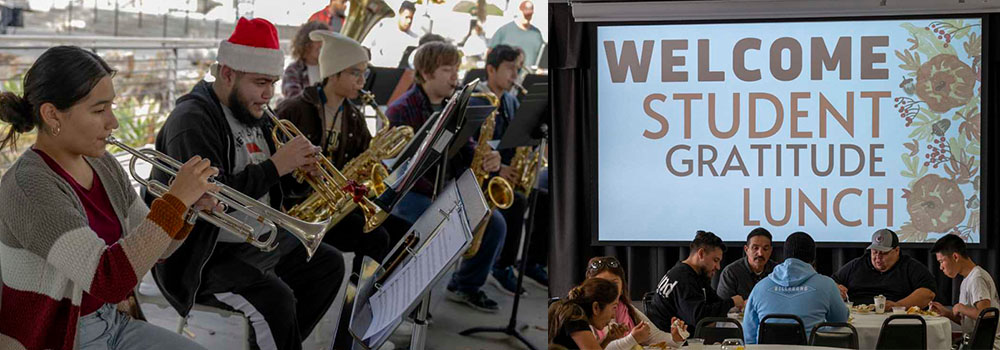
(296, 78)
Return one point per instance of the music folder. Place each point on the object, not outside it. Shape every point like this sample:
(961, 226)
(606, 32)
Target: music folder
(427, 147)
(444, 232)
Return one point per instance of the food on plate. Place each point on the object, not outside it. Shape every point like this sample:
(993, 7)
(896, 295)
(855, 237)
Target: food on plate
(863, 308)
(913, 310)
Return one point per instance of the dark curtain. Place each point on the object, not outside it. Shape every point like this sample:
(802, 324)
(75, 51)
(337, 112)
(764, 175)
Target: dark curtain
(573, 139)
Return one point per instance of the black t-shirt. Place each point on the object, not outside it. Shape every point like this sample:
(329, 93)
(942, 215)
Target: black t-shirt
(864, 282)
(564, 337)
(687, 295)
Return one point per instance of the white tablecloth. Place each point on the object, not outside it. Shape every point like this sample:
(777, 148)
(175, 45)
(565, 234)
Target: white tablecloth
(869, 325)
(769, 347)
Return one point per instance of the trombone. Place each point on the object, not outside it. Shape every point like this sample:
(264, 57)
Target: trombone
(309, 233)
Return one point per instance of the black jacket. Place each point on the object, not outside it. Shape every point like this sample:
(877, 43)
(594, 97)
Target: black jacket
(687, 295)
(198, 126)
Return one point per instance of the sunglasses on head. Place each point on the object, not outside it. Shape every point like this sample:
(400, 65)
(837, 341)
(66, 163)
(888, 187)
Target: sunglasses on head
(606, 262)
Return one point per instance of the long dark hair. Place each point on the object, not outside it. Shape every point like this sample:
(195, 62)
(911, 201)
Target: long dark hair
(611, 264)
(578, 304)
(301, 42)
(62, 76)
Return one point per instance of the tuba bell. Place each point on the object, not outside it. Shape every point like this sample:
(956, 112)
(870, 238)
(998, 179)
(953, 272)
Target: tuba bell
(363, 17)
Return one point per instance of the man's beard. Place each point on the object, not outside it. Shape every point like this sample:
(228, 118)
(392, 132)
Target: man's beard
(240, 111)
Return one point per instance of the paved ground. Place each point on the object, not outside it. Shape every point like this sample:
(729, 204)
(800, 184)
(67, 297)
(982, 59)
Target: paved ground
(215, 332)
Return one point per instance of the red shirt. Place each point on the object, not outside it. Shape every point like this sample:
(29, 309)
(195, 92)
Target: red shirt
(100, 214)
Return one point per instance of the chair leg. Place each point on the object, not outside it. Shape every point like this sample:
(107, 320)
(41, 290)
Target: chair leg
(246, 337)
(182, 328)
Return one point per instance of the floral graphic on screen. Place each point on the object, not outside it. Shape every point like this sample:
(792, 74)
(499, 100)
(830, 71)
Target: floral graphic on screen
(940, 106)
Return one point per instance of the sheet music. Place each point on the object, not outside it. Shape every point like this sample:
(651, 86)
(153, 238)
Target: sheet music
(406, 284)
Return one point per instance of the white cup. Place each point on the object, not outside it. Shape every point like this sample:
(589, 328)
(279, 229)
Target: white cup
(695, 343)
(879, 304)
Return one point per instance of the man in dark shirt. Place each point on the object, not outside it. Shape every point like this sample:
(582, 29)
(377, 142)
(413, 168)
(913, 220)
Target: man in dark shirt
(902, 280)
(686, 291)
(739, 277)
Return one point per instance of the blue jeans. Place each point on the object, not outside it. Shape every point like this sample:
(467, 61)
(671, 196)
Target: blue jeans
(109, 329)
(471, 273)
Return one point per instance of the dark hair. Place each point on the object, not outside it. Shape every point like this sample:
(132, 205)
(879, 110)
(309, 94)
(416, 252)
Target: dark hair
(760, 231)
(502, 53)
(430, 56)
(407, 5)
(800, 245)
(301, 42)
(706, 240)
(577, 305)
(429, 38)
(948, 244)
(611, 264)
(62, 76)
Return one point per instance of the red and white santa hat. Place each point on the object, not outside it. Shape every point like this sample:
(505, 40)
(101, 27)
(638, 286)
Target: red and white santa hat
(253, 48)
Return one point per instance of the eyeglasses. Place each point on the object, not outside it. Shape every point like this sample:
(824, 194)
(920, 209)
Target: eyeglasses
(604, 262)
(357, 73)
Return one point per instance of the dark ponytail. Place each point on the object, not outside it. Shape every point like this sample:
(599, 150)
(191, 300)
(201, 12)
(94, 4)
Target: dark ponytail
(579, 301)
(62, 76)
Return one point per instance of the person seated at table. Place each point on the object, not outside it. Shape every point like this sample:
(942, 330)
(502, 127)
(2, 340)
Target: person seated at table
(686, 290)
(739, 277)
(978, 291)
(902, 280)
(591, 304)
(795, 288)
(628, 317)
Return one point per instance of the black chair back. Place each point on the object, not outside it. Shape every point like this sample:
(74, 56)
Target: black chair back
(711, 331)
(985, 331)
(788, 333)
(898, 332)
(835, 338)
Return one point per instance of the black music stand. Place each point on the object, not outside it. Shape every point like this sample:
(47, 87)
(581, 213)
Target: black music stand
(462, 195)
(430, 142)
(382, 81)
(527, 129)
(476, 73)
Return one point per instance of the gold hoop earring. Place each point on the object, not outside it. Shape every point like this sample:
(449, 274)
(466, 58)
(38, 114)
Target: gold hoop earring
(57, 131)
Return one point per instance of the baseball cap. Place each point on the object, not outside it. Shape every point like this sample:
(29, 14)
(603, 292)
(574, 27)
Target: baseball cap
(884, 240)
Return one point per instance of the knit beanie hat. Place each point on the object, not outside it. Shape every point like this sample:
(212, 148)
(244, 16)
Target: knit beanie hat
(801, 246)
(337, 53)
(253, 48)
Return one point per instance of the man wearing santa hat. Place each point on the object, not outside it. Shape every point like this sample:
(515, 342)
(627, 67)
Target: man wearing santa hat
(281, 293)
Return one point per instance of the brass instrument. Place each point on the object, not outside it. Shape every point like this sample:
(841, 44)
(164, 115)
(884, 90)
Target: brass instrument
(362, 17)
(499, 193)
(526, 165)
(333, 196)
(387, 143)
(309, 233)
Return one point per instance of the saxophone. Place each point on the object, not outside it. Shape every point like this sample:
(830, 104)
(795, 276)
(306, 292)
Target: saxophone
(499, 193)
(526, 165)
(388, 142)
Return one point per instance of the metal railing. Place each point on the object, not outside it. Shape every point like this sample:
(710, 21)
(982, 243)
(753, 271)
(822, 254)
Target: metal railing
(151, 74)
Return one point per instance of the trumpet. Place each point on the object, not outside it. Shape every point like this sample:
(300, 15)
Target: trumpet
(334, 195)
(309, 233)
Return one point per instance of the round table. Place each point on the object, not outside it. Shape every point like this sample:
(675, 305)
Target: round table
(869, 325)
(769, 347)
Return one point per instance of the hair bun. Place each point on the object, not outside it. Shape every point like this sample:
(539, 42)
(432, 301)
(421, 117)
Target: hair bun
(575, 293)
(16, 111)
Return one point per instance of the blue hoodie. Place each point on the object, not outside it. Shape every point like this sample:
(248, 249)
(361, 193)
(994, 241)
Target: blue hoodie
(793, 288)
